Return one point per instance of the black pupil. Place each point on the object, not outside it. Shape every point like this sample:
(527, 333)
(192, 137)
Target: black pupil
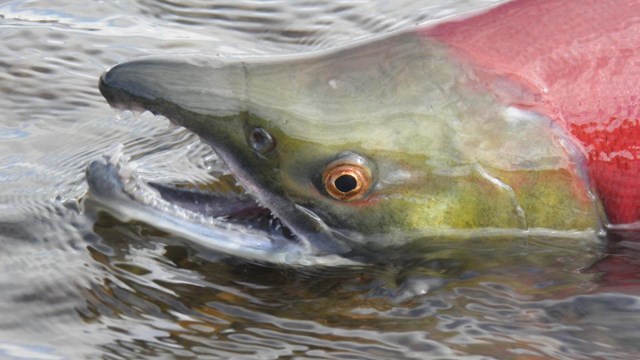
(346, 183)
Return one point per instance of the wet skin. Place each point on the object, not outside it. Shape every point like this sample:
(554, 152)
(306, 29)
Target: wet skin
(378, 143)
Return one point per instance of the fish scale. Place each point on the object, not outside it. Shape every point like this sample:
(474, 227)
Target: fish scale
(577, 62)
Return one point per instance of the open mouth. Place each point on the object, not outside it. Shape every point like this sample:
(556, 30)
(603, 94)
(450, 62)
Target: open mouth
(217, 218)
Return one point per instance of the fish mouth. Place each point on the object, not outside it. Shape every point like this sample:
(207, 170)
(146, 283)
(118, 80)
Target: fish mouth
(227, 222)
(180, 89)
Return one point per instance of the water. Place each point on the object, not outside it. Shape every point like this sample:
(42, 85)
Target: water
(78, 285)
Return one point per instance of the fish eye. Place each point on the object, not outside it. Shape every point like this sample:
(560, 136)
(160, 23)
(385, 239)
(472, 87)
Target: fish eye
(348, 177)
(261, 141)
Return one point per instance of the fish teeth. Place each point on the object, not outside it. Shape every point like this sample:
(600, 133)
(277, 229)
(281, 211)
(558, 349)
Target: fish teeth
(138, 190)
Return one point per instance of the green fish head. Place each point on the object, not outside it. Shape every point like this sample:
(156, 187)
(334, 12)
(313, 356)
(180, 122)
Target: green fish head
(382, 142)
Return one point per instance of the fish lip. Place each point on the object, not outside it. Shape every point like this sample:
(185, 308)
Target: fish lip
(120, 97)
(106, 91)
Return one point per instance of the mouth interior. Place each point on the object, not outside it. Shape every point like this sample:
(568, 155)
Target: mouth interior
(218, 200)
(199, 209)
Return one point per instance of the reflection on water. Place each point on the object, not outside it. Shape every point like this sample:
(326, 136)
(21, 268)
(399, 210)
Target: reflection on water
(81, 285)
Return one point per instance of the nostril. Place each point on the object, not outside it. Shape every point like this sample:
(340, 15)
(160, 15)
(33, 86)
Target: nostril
(261, 141)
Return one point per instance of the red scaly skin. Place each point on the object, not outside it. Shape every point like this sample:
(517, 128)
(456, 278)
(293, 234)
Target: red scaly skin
(575, 61)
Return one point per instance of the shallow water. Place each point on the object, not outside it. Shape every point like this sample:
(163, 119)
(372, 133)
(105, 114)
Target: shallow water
(79, 285)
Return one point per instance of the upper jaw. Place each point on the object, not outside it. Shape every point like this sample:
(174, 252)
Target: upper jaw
(200, 85)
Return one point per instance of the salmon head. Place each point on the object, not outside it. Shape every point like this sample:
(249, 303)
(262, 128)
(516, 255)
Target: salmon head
(375, 144)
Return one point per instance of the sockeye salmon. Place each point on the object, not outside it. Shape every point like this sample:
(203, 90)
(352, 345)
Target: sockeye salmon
(522, 118)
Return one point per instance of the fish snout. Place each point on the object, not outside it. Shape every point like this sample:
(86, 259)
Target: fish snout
(163, 85)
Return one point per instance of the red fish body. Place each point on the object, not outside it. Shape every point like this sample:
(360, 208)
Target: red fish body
(577, 62)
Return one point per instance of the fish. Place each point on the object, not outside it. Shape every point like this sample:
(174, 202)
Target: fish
(518, 121)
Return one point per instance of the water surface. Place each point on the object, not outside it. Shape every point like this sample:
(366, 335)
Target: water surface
(74, 284)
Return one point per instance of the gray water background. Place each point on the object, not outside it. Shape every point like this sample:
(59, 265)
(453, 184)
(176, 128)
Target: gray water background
(74, 286)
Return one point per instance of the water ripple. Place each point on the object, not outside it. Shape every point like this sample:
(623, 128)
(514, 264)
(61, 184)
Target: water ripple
(79, 284)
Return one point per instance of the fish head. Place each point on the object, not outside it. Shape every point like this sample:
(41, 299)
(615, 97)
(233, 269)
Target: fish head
(377, 143)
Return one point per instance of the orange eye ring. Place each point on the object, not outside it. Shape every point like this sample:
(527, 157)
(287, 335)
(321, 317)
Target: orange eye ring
(347, 180)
